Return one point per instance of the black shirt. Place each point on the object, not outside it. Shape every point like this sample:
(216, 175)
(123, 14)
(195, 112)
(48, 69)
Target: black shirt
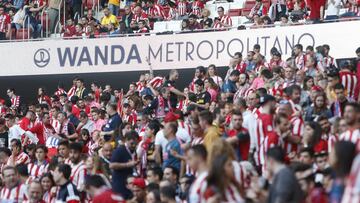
(67, 193)
(4, 139)
(121, 155)
(203, 98)
(173, 96)
(206, 23)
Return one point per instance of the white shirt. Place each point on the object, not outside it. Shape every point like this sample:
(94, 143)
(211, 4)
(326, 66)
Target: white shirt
(333, 9)
(250, 124)
(15, 132)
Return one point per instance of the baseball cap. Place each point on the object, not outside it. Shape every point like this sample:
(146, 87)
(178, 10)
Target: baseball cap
(266, 98)
(139, 182)
(171, 117)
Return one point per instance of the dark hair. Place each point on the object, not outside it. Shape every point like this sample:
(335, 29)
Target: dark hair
(157, 171)
(291, 89)
(95, 181)
(339, 86)
(345, 153)
(235, 73)
(202, 69)
(173, 126)
(83, 114)
(277, 154)
(112, 105)
(200, 150)
(132, 135)
(357, 50)
(266, 73)
(299, 46)
(156, 192)
(43, 147)
(76, 146)
(307, 150)
(22, 169)
(174, 171)
(64, 143)
(168, 191)
(199, 82)
(155, 126)
(65, 170)
(207, 116)
(17, 142)
(354, 105)
(48, 175)
(306, 79)
(220, 7)
(280, 116)
(256, 46)
(315, 138)
(5, 150)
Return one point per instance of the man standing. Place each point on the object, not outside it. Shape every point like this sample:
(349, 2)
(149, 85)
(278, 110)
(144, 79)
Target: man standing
(105, 156)
(284, 187)
(67, 191)
(123, 162)
(53, 11)
(299, 56)
(203, 97)
(348, 79)
(196, 159)
(229, 86)
(174, 93)
(338, 107)
(212, 133)
(172, 147)
(113, 122)
(5, 24)
(13, 191)
(239, 136)
(78, 168)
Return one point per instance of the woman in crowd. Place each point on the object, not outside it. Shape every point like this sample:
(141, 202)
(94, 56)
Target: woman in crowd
(318, 108)
(48, 186)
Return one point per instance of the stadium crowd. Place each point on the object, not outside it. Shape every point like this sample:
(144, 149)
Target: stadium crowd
(270, 130)
(81, 19)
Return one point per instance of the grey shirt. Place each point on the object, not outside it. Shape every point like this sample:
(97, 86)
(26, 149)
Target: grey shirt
(285, 188)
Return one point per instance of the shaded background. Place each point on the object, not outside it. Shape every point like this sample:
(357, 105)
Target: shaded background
(26, 86)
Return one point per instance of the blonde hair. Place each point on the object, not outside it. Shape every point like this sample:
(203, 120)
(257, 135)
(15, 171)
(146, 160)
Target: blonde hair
(220, 147)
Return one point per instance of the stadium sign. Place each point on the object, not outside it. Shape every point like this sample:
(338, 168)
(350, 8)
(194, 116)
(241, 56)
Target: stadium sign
(169, 51)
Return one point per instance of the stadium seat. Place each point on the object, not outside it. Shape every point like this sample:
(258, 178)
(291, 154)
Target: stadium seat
(234, 12)
(245, 11)
(160, 26)
(249, 4)
(23, 33)
(174, 25)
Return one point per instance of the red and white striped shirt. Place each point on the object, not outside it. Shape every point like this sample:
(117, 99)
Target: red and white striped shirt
(241, 67)
(197, 7)
(352, 135)
(182, 8)
(300, 61)
(22, 158)
(297, 130)
(4, 22)
(37, 170)
(355, 8)
(156, 82)
(157, 10)
(142, 16)
(71, 92)
(59, 92)
(271, 140)
(349, 81)
(195, 189)
(15, 101)
(225, 20)
(16, 194)
(78, 173)
(264, 127)
(328, 61)
(352, 189)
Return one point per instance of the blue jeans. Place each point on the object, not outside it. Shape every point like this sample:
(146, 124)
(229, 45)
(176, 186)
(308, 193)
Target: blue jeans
(332, 17)
(114, 9)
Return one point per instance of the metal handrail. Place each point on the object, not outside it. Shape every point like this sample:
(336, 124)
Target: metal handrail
(201, 30)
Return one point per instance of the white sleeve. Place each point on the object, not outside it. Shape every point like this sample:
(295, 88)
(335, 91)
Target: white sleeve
(159, 137)
(33, 138)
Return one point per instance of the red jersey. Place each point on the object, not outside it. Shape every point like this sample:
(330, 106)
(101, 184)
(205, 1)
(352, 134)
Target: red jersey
(157, 10)
(182, 8)
(315, 6)
(197, 7)
(141, 16)
(4, 22)
(108, 196)
(243, 146)
(264, 128)
(297, 130)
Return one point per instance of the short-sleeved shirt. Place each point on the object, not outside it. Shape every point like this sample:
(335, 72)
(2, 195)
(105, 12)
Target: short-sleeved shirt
(173, 97)
(113, 123)
(106, 20)
(121, 155)
(203, 98)
(169, 159)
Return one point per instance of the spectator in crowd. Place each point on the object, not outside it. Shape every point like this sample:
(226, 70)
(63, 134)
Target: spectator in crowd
(108, 19)
(67, 190)
(224, 20)
(206, 22)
